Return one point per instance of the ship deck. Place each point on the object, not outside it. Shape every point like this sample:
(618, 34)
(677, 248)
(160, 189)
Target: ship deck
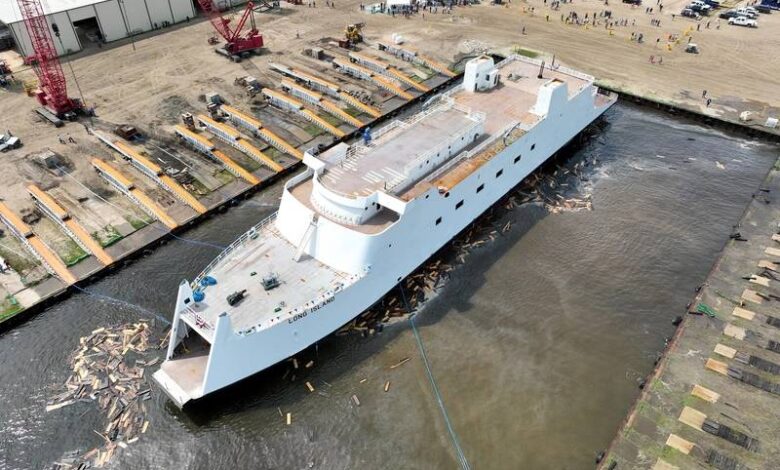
(376, 167)
(244, 268)
(383, 161)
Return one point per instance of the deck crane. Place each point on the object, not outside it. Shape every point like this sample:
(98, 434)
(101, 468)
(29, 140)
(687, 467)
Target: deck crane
(237, 43)
(52, 90)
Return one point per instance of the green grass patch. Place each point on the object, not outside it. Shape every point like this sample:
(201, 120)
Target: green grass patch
(273, 153)
(19, 260)
(426, 70)
(250, 164)
(525, 52)
(137, 223)
(352, 111)
(330, 119)
(690, 400)
(199, 187)
(108, 236)
(9, 307)
(224, 176)
(313, 130)
(72, 253)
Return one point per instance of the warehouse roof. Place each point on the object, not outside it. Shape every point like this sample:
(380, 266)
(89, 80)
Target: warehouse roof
(10, 13)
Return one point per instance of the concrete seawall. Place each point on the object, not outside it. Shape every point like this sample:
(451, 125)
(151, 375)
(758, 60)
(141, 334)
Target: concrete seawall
(712, 399)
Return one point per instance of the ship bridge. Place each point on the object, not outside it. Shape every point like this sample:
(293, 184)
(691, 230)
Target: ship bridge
(351, 182)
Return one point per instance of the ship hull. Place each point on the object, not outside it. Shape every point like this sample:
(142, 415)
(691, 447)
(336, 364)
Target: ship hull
(428, 223)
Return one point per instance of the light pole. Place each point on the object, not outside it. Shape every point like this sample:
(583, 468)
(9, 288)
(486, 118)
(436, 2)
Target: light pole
(124, 20)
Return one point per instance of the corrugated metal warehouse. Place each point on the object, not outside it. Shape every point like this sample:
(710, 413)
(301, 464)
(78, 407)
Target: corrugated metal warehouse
(84, 23)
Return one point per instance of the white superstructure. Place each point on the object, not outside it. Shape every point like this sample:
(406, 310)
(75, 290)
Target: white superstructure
(364, 216)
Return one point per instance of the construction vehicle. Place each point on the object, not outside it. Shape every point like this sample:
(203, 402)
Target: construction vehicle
(127, 132)
(250, 84)
(5, 74)
(353, 35)
(189, 120)
(239, 44)
(52, 92)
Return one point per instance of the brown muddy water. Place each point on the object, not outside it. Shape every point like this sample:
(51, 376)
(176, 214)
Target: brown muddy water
(536, 342)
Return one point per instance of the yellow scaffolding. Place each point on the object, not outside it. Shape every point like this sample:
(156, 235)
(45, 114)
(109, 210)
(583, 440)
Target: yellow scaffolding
(52, 262)
(70, 224)
(235, 168)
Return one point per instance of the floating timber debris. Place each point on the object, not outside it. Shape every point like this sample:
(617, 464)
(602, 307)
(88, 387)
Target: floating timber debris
(108, 368)
(545, 188)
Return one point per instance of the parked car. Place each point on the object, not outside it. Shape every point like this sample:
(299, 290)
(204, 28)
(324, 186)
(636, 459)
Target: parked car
(703, 10)
(688, 13)
(728, 14)
(763, 9)
(633, 2)
(8, 142)
(747, 12)
(743, 21)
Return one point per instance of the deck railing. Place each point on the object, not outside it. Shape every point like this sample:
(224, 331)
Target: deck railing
(240, 241)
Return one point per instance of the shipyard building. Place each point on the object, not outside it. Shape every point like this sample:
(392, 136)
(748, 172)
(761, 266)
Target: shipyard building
(83, 24)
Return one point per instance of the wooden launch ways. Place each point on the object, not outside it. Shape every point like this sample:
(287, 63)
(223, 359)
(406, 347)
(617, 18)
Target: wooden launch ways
(407, 53)
(35, 245)
(326, 87)
(71, 226)
(153, 171)
(319, 100)
(365, 74)
(232, 137)
(285, 102)
(387, 69)
(256, 127)
(124, 185)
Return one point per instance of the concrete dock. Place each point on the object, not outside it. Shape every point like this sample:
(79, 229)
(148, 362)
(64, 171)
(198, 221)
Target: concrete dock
(712, 400)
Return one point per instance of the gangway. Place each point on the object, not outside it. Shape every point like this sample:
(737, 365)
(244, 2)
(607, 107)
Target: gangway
(317, 99)
(297, 107)
(35, 245)
(125, 186)
(153, 171)
(232, 137)
(242, 119)
(71, 226)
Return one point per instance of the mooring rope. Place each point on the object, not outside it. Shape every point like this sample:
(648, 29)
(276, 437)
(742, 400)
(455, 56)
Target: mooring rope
(464, 464)
(122, 302)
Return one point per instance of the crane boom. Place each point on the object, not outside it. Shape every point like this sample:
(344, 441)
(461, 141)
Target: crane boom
(220, 23)
(53, 91)
(235, 41)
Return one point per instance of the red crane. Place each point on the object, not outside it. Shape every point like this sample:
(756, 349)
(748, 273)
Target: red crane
(53, 90)
(236, 43)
